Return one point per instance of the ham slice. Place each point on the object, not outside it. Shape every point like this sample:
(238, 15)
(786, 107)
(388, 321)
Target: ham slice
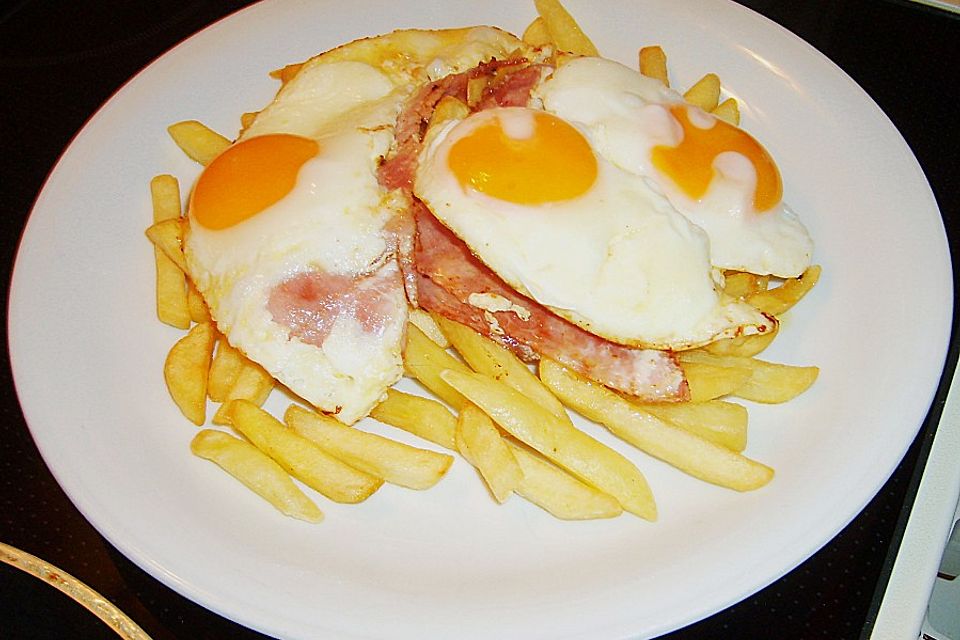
(509, 83)
(310, 303)
(455, 284)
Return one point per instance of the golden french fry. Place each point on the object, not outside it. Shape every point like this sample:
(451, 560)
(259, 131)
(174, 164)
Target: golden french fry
(449, 108)
(422, 417)
(536, 34)
(196, 304)
(185, 371)
(425, 322)
(172, 304)
(171, 282)
(778, 300)
(740, 284)
(746, 346)
(559, 493)
(475, 88)
(563, 29)
(685, 451)
(257, 471)
(728, 111)
(769, 382)
(711, 381)
(166, 236)
(653, 64)
(480, 443)
(489, 358)
(705, 92)
(253, 383)
(198, 141)
(165, 197)
(301, 458)
(773, 383)
(722, 422)
(423, 359)
(587, 458)
(224, 370)
(393, 461)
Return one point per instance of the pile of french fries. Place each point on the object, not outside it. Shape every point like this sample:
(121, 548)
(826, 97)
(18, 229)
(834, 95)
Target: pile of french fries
(501, 417)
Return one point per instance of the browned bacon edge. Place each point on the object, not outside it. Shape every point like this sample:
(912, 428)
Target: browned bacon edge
(446, 273)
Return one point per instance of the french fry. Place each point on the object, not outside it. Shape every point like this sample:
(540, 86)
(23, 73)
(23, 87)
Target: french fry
(165, 197)
(728, 111)
(224, 370)
(685, 451)
(536, 34)
(722, 422)
(166, 236)
(563, 29)
(705, 92)
(740, 284)
(257, 471)
(653, 64)
(185, 371)
(746, 346)
(475, 89)
(480, 443)
(780, 299)
(711, 381)
(425, 322)
(489, 358)
(196, 304)
(559, 493)
(422, 417)
(449, 108)
(198, 141)
(395, 462)
(587, 458)
(171, 282)
(769, 382)
(301, 458)
(253, 383)
(424, 360)
(774, 383)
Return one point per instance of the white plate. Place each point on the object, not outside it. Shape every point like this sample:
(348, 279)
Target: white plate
(87, 353)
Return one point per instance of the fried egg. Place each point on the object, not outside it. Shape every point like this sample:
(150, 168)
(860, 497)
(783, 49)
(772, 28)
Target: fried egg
(537, 200)
(288, 235)
(717, 175)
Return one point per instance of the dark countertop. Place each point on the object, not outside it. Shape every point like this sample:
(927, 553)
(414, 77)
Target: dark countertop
(60, 61)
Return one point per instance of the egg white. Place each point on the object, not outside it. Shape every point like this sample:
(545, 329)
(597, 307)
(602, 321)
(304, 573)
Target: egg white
(626, 115)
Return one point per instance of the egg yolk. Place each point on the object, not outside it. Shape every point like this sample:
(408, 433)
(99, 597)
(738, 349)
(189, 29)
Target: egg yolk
(553, 163)
(248, 177)
(690, 164)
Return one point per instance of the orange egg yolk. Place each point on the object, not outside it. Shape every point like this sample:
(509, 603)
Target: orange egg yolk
(552, 164)
(248, 177)
(690, 164)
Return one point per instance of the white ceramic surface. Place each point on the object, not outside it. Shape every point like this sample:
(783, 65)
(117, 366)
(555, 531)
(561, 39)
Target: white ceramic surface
(87, 355)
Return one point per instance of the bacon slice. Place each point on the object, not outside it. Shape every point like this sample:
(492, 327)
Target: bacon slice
(511, 89)
(509, 83)
(452, 277)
